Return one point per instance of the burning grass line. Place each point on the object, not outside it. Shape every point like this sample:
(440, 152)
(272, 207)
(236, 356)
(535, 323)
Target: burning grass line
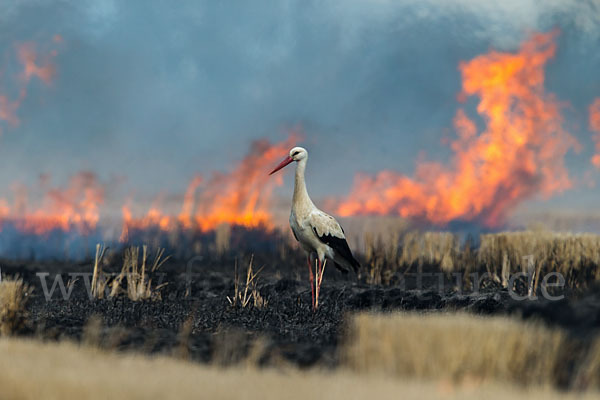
(519, 152)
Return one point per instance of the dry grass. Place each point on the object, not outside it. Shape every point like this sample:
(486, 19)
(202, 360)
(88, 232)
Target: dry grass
(34, 370)
(441, 248)
(99, 279)
(381, 257)
(381, 228)
(575, 256)
(135, 272)
(14, 295)
(139, 284)
(413, 250)
(456, 347)
(378, 239)
(247, 293)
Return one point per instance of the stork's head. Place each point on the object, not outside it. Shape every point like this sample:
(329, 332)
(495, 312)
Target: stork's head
(296, 154)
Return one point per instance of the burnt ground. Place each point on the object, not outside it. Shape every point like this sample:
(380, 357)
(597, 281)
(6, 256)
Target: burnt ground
(287, 327)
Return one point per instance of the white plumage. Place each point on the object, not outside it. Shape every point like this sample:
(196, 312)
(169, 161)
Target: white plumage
(319, 234)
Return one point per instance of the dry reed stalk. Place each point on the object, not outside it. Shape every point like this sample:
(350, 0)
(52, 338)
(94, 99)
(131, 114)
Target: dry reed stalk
(250, 290)
(505, 270)
(99, 280)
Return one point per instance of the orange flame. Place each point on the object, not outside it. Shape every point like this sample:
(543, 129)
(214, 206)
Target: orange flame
(154, 218)
(519, 153)
(595, 127)
(242, 196)
(74, 207)
(239, 197)
(185, 217)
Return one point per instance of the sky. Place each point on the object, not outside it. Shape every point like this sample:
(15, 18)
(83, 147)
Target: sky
(149, 93)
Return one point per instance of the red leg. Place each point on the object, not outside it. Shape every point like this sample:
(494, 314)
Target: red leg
(319, 279)
(312, 286)
(318, 284)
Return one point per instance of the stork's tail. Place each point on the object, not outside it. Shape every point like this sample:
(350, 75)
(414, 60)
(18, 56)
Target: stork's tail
(346, 263)
(354, 264)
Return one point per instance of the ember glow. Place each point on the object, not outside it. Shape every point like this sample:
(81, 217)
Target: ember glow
(519, 154)
(595, 127)
(241, 196)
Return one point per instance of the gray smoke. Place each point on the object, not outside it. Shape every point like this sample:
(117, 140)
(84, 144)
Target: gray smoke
(157, 91)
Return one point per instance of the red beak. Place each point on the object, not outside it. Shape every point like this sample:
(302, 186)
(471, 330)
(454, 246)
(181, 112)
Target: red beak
(285, 162)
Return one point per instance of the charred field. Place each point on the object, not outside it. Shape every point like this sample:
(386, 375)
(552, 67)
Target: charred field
(201, 306)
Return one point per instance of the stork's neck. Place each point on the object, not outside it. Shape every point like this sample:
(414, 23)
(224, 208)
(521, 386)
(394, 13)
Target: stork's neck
(301, 198)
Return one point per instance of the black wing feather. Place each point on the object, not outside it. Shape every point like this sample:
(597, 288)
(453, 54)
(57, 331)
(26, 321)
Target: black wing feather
(340, 246)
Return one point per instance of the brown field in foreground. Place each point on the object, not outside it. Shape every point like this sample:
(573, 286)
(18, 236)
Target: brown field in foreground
(431, 355)
(34, 370)
(468, 347)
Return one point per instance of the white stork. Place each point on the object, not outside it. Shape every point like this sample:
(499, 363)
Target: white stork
(320, 235)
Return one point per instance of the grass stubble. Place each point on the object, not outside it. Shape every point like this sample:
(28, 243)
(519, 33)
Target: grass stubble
(135, 273)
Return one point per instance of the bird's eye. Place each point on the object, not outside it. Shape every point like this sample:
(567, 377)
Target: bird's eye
(294, 154)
